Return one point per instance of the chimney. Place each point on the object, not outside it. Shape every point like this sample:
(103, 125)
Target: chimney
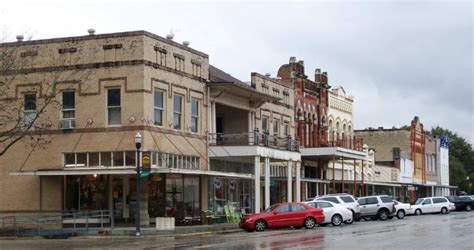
(317, 75)
(301, 62)
(91, 31)
(170, 36)
(267, 74)
(380, 128)
(324, 78)
(186, 43)
(19, 38)
(292, 59)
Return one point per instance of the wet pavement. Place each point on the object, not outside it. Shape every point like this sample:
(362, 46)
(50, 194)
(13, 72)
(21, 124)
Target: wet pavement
(453, 231)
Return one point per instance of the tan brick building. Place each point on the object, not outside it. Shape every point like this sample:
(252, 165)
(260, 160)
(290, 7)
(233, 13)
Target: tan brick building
(112, 86)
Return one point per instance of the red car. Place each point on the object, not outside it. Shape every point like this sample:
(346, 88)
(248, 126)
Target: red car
(293, 214)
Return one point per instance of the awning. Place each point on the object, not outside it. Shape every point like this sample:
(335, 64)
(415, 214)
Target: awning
(127, 171)
(315, 180)
(383, 184)
(329, 152)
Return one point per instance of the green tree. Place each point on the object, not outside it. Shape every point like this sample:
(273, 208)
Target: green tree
(461, 159)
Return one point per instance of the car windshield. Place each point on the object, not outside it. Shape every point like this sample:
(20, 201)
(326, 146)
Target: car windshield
(269, 209)
(418, 202)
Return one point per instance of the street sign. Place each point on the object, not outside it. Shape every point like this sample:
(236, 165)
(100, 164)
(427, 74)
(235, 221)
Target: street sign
(146, 164)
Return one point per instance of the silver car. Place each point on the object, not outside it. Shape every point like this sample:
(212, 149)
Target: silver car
(377, 207)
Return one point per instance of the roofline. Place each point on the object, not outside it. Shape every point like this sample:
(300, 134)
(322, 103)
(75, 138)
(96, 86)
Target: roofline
(103, 36)
(271, 79)
(224, 84)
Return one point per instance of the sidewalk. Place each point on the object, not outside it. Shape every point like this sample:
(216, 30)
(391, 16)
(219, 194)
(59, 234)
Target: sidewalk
(180, 231)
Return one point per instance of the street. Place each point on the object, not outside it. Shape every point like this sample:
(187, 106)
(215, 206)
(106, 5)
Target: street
(453, 231)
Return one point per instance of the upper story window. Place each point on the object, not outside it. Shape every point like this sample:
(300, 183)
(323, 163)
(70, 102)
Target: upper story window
(196, 69)
(286, 129)
(194, 115)
(276, 92)
(178, 62)
(286, 98)
(158, 96)
(177, 111)
(161, 55)
(69, 105)
(29, 109)
(276, 127)
(113, 107)
(264, 124)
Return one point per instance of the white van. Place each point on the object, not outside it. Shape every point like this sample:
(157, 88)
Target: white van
(432, 205)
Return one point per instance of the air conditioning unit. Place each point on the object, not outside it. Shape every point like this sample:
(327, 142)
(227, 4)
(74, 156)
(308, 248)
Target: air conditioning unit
(67, 124)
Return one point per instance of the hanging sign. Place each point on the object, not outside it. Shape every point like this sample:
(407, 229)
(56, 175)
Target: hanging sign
(146, 163)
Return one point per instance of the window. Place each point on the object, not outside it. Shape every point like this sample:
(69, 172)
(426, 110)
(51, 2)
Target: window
(331, 199)
(427, 202)
(324, 204)
(113, 106)
(297, 207)
(347, 199)
(283, 209)
(194, 115)
(264, 124)
(158, 107)
(372, 200)
(439, 200)
(177, 111)
(29, 109)
(276, 127)
(196, 69)
(386, 199)
(178, 62)
(362, 201)
(69, 105)
(286, 129)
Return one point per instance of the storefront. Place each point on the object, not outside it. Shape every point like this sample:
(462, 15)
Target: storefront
(230, 191)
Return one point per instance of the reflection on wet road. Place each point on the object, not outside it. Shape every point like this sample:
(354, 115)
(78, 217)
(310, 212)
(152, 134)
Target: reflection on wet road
(453, 231)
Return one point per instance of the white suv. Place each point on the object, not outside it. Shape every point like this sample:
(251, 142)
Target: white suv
(432, 205)
(343, 199)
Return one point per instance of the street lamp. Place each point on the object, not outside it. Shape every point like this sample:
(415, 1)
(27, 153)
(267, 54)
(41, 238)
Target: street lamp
(138, 145)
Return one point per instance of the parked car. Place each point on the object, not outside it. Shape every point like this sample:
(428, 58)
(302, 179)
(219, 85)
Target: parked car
(432, 205)
(334, 213)
(295, 214)
(343, 199)
(402, 209)
(462, 202)
(377, 207)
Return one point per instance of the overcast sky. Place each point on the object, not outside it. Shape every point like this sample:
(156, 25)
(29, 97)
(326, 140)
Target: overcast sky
(398, 59)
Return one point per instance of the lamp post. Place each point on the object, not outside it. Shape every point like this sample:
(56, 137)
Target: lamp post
(138, 144)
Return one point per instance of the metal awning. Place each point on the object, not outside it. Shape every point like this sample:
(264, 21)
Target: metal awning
(315, 180)
(329, 152)
(127, 171)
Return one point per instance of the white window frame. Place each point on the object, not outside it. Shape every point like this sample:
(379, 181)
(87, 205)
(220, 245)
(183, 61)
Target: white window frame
(193, 116)
(162, 108)
(113, 107)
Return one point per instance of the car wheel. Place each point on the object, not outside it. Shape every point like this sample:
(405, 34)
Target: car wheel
(383, 215)
(260, 225)
(400, 214)
(336, 220)
(444, 210)
(309, 223)
(468, 208)
(418, 212)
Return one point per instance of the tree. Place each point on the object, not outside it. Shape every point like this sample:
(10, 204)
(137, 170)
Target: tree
(24, 119)
(461, 159)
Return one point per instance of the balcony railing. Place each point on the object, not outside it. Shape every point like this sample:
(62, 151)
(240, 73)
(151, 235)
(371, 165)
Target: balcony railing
(253, 139)
(350, 142)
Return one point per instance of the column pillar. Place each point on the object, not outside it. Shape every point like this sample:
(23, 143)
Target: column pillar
(213, 117)
(342, 176)
(355, 179)
(125, 195)
(289, 182)
(257, 183)
(334, 174)
(267, 182)
(298, 181)
(144, 216)
(325, 188)
(362, 179)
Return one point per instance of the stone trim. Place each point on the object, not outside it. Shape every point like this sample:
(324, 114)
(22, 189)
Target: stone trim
(112, 46)
(67, 50)
(104, 36)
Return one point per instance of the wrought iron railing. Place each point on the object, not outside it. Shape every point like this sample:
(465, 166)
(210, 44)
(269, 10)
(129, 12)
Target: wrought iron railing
(255, 138)
(38, 224)
(350, 142)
